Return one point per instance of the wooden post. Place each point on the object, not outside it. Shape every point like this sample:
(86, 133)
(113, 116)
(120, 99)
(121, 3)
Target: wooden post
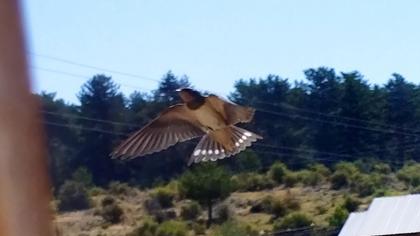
(24, 188)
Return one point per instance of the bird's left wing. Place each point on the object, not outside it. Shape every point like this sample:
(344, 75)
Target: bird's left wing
(175, 124)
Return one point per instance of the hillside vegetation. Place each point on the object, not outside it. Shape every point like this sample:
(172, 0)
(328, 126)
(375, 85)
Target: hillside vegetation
(255, 203)
(331, 143)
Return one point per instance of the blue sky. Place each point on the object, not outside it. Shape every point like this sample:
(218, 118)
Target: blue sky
(218, 42)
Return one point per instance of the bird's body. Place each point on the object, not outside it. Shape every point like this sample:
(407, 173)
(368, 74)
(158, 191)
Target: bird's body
(208, 116)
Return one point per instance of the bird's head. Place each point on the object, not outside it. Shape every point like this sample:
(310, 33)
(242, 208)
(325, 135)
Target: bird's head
(188, 95)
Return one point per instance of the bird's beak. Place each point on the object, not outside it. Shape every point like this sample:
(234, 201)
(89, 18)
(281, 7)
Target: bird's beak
(178, 90)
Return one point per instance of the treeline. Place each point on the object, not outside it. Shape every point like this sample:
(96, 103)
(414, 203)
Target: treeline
(327, 118)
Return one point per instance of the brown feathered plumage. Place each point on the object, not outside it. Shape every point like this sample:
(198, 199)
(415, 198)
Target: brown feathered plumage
(208, 116)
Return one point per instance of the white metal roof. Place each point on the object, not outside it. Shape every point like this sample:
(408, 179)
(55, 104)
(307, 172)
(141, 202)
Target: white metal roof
(386, 216)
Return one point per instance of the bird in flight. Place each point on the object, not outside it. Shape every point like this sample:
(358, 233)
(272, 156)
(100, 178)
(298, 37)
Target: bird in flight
(209, 117)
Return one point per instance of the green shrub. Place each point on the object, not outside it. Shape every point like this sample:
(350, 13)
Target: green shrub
(320, 169)
(270, 205)
(278, 171)
(339, 180)
(83, 175)
(112, 213)
(191, 210)
(223, 213)
(148, 228)
(381, 168)
(291, 202)
(278, 208)
(347, 167)
(351, 204)
(107, 200)
(172, 228)
(233, 228)
(410, 174)
(199, 229)
(164, 196)
(251, 182)
(73, 196)
(309, 178)
(248, 161)
(363, 185)
(290, 179)
(415, 190)
(291, 221)
(338, 218)
(118, 188)
(95, 191)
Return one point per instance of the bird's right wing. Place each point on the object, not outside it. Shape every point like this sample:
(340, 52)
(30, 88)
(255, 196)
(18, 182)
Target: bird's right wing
(231, 112)
(175, 124)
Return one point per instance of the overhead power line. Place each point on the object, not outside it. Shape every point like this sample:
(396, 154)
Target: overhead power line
(292, 107)
(91, 119)
(84, 77)
(335, 122)
(93, 67)
(395, 129)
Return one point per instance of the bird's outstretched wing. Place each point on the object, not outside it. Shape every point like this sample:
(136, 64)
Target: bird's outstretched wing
(231, 112)
(175, 124)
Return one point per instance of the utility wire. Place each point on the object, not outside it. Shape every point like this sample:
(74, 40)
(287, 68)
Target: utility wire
(85, 128)
(93, 67)
(258, 151)
(91, 119)
(291, 107)
(83, 77)
(334, 122)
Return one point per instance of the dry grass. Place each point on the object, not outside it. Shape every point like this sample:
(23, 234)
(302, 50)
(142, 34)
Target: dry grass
(317, 202)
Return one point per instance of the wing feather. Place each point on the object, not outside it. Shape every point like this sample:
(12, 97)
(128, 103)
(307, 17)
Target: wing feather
(175, 124)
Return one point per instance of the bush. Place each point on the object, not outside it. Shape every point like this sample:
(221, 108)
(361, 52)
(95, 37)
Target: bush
(83, 175)
(271, 206)
(348, 168)
(148, 228)
(248, 161)
(190, 211)
(199, 229)
(351, 204)
(291, 221)
(320, 169)
(107, 200)
(118, 188)
(309, 178)
(223, 213)
(164, 196)
(339, 180)
(95, 191)
(410, 174)
(291, 202)
(172, 228)
(251, 182)
(290, 179)
(232, 228)
(338, 218)
(73, 196)
(112, 213)
(382, 168)
(415, 190)
(277, 172)
(363, 185)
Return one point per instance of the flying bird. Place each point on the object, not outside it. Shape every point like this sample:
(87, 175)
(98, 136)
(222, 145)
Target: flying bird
(209, 117)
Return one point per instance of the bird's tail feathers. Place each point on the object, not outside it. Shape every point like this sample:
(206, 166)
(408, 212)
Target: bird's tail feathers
(211, 147)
